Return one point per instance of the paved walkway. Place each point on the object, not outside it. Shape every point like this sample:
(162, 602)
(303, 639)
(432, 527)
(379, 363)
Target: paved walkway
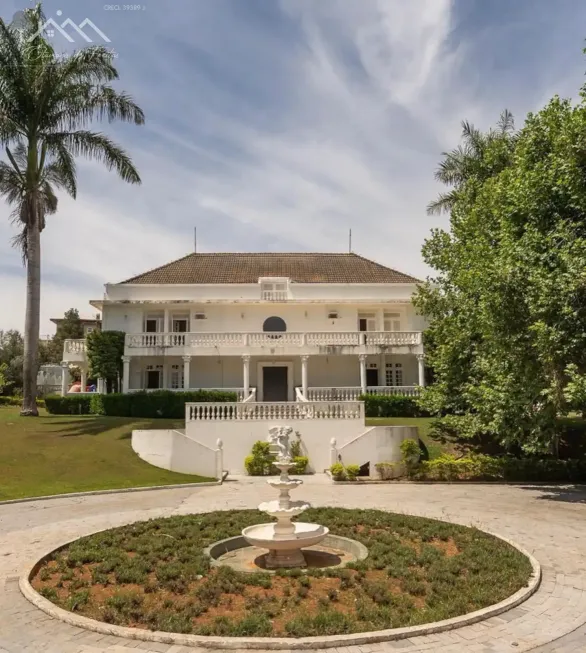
(548, 521)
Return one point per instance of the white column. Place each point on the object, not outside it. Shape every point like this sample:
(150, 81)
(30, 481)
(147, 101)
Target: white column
(246, 374)
(125, 374)
(362, 359)
(64, 378)
(83, 379)
(166, 325)
(165, 382)
(186, 372)
(304, 383)
(421, 369)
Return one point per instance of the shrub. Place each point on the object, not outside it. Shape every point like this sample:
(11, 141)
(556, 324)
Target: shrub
(74, 404)
(391, 406)
(342, 472)
(507, 468)
(411, 454)
(301, 463)
(338, 472)
(352, 472)
(260, 462)
(163, 403)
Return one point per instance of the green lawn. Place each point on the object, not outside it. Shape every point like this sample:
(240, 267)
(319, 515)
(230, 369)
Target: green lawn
(53, 454)
(434, 448)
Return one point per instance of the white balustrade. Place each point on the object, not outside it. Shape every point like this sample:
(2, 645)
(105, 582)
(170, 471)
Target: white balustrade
(274, 295)
(351, 393)
(270, 411)
(333, 338)
(389, 390)
(390, 338)
(243, 340)
(75, 346)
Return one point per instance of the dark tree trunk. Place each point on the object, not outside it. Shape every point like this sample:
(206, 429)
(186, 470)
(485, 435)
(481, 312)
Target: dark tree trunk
(32, 319)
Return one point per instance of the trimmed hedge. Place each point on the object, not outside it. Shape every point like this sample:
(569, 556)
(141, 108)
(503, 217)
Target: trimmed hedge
(163, 403)
(391, 406)
(74, 404)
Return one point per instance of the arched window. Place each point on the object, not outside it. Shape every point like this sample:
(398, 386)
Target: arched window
(274, 323)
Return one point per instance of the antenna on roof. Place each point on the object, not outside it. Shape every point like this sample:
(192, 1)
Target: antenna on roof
(350, 241)
(195, 240)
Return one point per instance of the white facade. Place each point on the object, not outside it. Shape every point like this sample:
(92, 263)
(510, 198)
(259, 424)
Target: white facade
(332, 340)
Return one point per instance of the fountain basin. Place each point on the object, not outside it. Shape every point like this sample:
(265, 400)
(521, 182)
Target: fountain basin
(290, 484)
(294, 508)
(304, 535)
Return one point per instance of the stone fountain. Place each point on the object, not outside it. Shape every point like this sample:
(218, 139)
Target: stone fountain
(284, 539)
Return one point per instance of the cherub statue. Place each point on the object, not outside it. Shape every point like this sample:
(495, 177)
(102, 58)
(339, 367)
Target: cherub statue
(279, 440)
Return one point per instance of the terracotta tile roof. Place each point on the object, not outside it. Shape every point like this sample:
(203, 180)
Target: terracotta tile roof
(247, 268)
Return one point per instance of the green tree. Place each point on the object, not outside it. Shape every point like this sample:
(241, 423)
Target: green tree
(104, 352)
(46, 104)
(479, 156)
(3, 372)
(71, 328)
(11, 357)
(507, 306)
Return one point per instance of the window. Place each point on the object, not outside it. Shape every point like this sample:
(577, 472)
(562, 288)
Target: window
(89, 329)
(274, 323)
(180, 324)
(176, 377)
(366, 322)
(392, 321)
(274, 289)
(394, 374)
(153, 324)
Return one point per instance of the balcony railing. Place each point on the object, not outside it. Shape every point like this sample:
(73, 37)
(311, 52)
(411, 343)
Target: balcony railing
(259, 411)
(267, 339)
(74, 346)
(351, 393)
(275, 295)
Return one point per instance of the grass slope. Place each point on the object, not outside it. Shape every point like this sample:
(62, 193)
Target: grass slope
(54, 454)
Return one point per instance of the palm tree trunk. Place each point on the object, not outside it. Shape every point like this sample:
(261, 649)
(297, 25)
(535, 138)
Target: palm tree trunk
(32, 318)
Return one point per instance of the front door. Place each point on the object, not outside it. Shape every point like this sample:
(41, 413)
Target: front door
(371, 377)
(274, 383)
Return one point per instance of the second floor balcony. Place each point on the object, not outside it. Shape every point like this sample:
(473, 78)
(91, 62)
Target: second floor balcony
(286, 343)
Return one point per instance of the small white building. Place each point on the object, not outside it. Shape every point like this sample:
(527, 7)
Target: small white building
(273, 327)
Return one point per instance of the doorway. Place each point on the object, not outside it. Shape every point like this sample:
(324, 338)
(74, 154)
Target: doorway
(275, 383)
(372, 377)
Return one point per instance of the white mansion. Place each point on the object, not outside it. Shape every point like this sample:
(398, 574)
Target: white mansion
(273, 327)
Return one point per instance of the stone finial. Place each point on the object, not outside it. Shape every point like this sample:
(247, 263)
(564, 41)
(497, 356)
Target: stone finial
(219, 444)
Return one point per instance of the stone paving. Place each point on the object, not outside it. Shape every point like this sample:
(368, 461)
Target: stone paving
(550, 522)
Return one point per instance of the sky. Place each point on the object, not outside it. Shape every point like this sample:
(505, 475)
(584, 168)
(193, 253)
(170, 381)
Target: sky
(279, 125)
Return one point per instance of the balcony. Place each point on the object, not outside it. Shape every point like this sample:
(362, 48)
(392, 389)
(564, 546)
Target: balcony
(74, 351)
(286, 343)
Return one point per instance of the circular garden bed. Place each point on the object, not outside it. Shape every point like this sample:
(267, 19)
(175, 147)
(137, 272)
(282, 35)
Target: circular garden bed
(154, 575)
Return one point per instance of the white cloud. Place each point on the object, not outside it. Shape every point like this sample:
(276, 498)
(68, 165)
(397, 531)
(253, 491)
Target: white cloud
(282, 136)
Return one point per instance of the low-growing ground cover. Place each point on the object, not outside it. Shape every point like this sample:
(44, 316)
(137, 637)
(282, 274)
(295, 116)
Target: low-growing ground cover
(154, 575)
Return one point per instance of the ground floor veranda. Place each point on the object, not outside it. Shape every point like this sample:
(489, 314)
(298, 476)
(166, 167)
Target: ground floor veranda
(278, 378)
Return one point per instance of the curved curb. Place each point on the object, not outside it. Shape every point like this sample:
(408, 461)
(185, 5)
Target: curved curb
(282, 643)
(124, 490)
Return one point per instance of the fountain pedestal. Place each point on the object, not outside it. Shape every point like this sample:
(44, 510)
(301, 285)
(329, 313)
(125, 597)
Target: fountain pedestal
(284, 539)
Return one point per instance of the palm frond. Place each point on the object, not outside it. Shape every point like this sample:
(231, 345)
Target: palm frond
(96, 146)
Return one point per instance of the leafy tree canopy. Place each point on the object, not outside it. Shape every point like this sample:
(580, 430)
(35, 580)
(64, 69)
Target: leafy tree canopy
(507, 305)
(71, 328)
(104, 352)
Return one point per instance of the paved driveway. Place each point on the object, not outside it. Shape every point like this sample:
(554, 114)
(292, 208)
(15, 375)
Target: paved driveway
(550, 522)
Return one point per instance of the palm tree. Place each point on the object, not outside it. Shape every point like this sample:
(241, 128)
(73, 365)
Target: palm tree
(467, 161)
(46, 103)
